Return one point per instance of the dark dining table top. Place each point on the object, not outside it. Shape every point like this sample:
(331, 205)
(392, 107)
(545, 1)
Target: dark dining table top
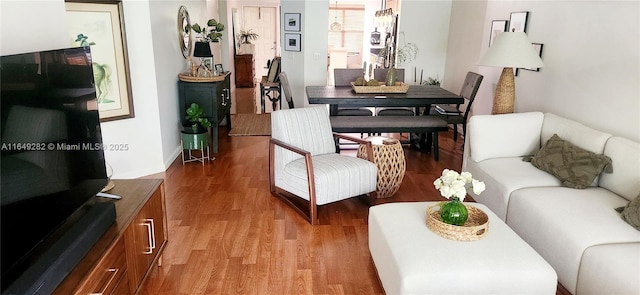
(416, 96)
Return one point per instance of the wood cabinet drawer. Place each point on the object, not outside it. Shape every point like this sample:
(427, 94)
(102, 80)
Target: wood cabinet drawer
(108, 274)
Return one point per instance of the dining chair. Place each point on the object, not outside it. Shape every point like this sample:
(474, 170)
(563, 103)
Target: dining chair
(304, 169)
(381, 75)
(286, 89)
(452, 113)
(344, 77)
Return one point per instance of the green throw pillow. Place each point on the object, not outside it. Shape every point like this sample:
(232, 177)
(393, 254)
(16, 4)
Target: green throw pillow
(574, 166)
(631, 213)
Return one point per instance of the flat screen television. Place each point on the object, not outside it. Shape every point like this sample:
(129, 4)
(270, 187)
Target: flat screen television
(52, 162)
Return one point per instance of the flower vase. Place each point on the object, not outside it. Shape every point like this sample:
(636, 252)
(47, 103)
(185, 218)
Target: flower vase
(454, 212)
(391, 77)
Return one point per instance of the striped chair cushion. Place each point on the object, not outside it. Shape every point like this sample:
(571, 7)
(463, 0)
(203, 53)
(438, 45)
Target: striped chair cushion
(336, 176)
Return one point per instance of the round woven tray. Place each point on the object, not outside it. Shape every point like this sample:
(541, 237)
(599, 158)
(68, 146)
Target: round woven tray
(475, 228)
(188, 78)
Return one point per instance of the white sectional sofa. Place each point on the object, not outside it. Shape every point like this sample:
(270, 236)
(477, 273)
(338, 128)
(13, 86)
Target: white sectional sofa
(592, 249)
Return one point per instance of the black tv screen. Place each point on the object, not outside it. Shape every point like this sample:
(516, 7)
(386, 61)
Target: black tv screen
(52, 162)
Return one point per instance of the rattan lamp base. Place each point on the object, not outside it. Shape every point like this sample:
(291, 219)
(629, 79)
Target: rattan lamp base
(505, 93)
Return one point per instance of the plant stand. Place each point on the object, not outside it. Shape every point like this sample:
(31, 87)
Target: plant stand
(195, 141)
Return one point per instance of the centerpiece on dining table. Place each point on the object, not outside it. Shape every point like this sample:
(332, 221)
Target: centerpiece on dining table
(361, 85)
(455, 219)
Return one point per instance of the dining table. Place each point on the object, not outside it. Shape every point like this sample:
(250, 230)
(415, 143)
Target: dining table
(416, 96)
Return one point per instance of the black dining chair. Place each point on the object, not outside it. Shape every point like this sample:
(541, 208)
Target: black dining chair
(344, 77)
(286, 89)
(381, 75)
(452, 113)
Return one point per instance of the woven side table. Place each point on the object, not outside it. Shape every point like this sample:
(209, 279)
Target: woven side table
(389, 157)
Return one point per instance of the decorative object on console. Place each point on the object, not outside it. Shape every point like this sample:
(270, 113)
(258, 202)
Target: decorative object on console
(510, 50)
(203, 51)
(453, 185)
(211, 33)
(245, 41)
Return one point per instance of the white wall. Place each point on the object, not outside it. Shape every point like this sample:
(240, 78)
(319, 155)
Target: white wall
(425, 23)
(154, 63)
(592, 61)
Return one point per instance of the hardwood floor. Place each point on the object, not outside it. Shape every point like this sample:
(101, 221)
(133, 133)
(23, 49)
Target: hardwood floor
(229, 235)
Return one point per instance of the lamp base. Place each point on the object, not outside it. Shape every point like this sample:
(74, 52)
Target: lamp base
(505, 93)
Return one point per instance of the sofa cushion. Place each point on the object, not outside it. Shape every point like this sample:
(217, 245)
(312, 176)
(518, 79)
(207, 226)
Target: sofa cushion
(561, 223)
(585, 137)
(610, 269)
(574, 166)
(507, 135)
(631, 213)
(625, 156)
(502, 176)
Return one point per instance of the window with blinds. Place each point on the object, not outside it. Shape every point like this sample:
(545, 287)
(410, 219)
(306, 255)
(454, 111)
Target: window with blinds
(352, 28)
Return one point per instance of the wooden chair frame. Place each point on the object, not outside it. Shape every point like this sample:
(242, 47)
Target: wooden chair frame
(310, 210)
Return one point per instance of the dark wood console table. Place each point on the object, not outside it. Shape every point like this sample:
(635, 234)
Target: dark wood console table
(213, 97)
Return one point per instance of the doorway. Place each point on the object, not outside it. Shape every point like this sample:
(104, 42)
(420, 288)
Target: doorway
(262, 21)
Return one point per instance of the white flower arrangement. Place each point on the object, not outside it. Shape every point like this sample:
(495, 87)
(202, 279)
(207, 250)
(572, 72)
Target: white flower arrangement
(454, 184)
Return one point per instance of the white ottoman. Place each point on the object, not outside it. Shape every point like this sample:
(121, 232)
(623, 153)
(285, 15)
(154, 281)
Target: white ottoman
(410, 259)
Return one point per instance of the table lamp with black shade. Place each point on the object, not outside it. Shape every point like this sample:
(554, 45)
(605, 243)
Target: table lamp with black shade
(510, 50)
(203, 51)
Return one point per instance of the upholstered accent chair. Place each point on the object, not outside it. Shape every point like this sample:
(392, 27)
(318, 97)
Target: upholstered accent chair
(304, 169)
(452, 113)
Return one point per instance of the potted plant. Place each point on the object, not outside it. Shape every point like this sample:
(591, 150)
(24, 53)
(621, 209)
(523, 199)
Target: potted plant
(210, 33)
(246, 36)
(194, 135)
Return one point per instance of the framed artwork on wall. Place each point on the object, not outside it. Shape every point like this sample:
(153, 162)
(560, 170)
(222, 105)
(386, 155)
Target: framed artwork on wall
(292, 42)
(100, 25)
(292, 22)
(497, 28)
(518, 21)
(538, 48)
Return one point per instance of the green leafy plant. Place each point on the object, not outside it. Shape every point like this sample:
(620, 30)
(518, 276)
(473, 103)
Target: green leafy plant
(432, 81)
(195, 115)
(210, 33)
(247, 36)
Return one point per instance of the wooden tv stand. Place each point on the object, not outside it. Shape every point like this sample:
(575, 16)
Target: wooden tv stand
(123, 257)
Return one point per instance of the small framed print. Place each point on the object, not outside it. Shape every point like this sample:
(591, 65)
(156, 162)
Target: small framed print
(538, 48)
(518, 21)
(208, 62)
(292, 42)
(497, 28)
(292, 22)
(219, 69)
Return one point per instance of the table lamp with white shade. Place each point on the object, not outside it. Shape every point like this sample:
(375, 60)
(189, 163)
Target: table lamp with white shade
(510, 50)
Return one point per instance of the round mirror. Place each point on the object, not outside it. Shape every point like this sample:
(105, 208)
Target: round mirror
(184, 31)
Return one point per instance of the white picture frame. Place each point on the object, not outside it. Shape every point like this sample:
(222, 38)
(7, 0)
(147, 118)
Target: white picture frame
(292, 22)
(292, 42)
(518, 21)
(497, 27)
